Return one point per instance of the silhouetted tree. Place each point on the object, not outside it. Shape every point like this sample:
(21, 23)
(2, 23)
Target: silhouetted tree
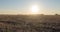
(42, 14)
(56, 14)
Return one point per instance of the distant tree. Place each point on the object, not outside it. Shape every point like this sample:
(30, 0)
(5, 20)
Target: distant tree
(42, 14)
(56, 14)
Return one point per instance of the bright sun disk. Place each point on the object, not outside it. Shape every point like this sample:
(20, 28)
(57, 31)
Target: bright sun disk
(34, 9)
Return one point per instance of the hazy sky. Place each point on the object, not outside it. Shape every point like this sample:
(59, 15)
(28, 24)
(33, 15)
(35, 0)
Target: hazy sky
(23, 6)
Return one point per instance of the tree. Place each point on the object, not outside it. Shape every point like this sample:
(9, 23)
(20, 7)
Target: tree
(56, 14)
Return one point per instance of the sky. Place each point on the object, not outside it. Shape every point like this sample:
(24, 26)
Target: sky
(24, 6)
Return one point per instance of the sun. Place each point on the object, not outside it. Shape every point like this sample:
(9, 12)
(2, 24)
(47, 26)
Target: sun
(34, 9)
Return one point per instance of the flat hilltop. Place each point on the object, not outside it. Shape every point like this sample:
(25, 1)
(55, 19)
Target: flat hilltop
(31, 18)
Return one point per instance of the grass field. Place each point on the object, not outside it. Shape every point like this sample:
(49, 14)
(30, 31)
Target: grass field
(29, 23)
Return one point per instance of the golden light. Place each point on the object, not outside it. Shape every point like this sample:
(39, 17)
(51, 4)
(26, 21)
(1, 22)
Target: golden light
(34, 9)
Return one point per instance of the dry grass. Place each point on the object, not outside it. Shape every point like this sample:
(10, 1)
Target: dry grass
(29, 23)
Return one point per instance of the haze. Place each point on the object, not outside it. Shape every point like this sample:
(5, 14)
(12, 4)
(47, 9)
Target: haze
(25, 6)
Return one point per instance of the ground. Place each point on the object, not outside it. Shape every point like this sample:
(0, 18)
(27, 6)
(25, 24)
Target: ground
(29, 23)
